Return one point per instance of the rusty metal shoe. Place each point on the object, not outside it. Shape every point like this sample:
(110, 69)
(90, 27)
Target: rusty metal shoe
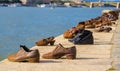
(103, 29)
(46, 41)
(51, 40)
(25, 55)
(42, 42)
(60, 51)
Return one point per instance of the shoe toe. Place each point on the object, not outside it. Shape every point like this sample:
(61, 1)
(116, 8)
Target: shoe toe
(12, 57)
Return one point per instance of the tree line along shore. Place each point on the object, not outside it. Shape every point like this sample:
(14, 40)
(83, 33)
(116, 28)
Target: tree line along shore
(60, 2)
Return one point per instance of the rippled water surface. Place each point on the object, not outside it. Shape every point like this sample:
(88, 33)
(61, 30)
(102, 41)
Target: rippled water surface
(26, 25)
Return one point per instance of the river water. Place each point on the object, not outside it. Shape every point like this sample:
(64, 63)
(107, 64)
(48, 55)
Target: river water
(26, 25)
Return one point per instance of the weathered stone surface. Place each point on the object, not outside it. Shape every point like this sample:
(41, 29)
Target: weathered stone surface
(116, 48)
(116, 53)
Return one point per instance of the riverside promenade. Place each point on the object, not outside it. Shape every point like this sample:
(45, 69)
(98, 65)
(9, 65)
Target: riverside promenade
(96, 57)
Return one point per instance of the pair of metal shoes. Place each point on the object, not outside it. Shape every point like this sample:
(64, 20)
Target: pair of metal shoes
(46, 41)
(83, 37)
(103, 29)
(71, 33)
(33, 56)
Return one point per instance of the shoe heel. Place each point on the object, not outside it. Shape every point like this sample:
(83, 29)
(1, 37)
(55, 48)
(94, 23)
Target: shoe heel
(70, 56)
(52, 42)
(33, 60)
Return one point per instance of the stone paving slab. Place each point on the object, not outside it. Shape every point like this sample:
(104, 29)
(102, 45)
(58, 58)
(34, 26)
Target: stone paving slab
(116, 48)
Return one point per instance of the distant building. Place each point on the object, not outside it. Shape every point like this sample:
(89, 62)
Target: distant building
(102, 0)
(30, 2)
(24, 1)
(77, 1)
(46, 1)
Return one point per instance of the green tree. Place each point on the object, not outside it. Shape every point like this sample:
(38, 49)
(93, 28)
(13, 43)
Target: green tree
(10, 1)
(15, 1)
(4, 1)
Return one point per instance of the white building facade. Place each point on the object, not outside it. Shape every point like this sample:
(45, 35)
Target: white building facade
(26, 2)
